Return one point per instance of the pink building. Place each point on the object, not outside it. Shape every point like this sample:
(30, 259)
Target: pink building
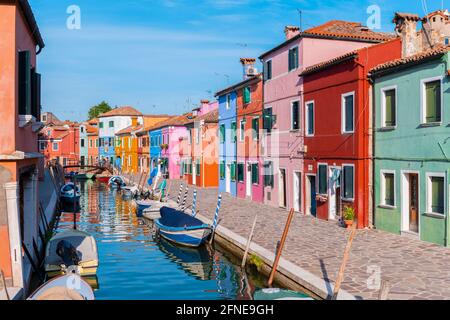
(283, 148)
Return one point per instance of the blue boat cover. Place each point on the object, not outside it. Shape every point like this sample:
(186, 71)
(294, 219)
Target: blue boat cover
(177, 219)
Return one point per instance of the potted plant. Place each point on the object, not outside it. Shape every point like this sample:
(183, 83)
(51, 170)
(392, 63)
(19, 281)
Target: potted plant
(349, 216)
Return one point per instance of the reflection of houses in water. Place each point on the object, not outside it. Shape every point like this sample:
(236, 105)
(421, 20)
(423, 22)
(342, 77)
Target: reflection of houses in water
(196, 262)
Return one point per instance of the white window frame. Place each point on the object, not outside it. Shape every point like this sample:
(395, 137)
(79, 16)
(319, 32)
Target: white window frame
(423, 100)
(428, 211)
(299, 116)
(298, 57)
(53, 146)
(343, 115)
(307, 134)
(228, 101)
(344, 165)
(383, 189)
(265, 66)
(318, 178)
(242, 122)
(383, 106)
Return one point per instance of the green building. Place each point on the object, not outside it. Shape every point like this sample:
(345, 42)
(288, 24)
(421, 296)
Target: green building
(412, 146)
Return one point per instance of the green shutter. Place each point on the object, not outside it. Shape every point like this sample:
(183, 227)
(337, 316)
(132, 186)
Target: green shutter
(348, 183)
(233, 171)
(247, 95)
(255, 129)
(268, 120)
(24, 83)
(240, 169)
(349, 126)
(433, 101)
(233, 132)
(389, 189)
(390, 106)
(35, 94)
(437, 195)
(323, 185)
(222, 170)
(222, 133)
(198, 167)
(255, 173)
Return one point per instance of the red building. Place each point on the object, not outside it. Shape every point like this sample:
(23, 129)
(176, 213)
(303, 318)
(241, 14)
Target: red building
(338, 116)
(60, 142)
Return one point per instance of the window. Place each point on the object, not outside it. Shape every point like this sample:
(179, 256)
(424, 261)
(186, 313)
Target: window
(42, 145)
(240, 171)
(198, 134)
(348, 113)
(436, 193)
(233, 171)
(44, 118)
(242, 130)
(323, 178)
(268, 174)
(82, 143)
(222, 133)
(293, 58)
(255, 129)
(96, 142)
(247, 95)
(90, 143)
(24, 83)
(431, 101)
(233, 132)
(222, 170)
(82, 129)
(295, 116)
(268, 120)
(348, 182)
(228, 101)
(100, 125)
(388, 188)
(268, 70)
(447, 41)
(255, 173)
(389, 106)
(55, 146)
(309, 118)
(197, 169)
(111, 124)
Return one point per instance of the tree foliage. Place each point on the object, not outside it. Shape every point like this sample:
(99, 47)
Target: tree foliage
(97, 110)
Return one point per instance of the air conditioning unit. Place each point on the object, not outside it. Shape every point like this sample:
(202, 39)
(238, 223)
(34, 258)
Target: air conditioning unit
(252, 71)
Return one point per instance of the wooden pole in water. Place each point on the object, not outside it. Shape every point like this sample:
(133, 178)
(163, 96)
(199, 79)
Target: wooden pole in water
(4, 285)
(280, 249)
(341, 273)
(247, 248)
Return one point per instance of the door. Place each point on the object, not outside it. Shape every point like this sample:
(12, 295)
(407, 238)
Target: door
(413, 203)
(333, 192)
(248, 180)
(283, 202)
(228, 178)
(194, 174)
(312, 204)
(297, 191)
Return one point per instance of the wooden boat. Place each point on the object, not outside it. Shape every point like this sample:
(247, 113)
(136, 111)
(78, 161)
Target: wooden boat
(279, 294)
(181, 228)
(70, 192)
(104, 178)
(85, 176)
(85, 246)
(153, 212)
(116, 181)
(66, 287)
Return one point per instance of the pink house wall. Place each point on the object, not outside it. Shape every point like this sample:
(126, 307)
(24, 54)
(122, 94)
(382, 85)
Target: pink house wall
(284, 147)
(173, 152)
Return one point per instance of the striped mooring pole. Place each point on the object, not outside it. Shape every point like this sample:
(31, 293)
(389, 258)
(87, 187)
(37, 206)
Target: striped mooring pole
(179, 194)
(216, 215)
(183, 204)
(194, 204)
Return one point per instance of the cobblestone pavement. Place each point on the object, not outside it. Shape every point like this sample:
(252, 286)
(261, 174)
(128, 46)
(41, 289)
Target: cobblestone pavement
(414, 269)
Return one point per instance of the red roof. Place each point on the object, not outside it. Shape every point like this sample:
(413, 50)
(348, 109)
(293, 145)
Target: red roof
(122, 111)
(431, 53)
(322, 65)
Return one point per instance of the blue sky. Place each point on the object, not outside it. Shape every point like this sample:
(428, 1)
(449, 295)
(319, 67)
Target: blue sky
(164, 56)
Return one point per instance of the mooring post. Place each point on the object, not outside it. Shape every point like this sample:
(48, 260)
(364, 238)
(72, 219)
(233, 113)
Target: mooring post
(4, 285)
(247, 248)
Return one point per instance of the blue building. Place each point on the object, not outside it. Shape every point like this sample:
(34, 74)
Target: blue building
(155, 147)
(227, 140)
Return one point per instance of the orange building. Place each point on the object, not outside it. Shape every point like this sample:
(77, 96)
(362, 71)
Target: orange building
(92, 134)
(21, 164)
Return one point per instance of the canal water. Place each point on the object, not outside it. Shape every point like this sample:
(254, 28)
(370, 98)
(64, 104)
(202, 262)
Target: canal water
(135, 264)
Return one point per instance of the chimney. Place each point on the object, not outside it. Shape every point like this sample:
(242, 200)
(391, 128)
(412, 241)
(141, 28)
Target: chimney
(248, 66)
(134, 121)
(291, 31)
(406, 28)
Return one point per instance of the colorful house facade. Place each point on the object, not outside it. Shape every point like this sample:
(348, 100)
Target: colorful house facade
(61, 143)
(337, 133)
(21, 164)
(84, 147)
(109, 124)
(411, 139)
(127, 146)
(200, 165)
(92, 136)
(283, 140)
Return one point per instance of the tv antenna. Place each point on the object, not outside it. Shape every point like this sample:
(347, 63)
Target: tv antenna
(300, 16)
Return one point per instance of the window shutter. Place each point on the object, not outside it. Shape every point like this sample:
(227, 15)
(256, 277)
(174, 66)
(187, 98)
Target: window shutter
(390, 108)
(433, 101)
(348, 183)
(310, 118)
(323, 179)
(389, 189)
(255, 173)
(437, 195)
(349, 113)
(24, 83)
(35, 94)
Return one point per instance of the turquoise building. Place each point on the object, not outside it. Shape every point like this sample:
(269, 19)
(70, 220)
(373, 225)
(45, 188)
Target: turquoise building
(84, 156)
(412, 146)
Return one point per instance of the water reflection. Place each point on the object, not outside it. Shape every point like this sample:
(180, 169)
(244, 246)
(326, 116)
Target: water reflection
(134, 264)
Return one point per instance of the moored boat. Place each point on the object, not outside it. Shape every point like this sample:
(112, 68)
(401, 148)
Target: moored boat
(116, 181)
(85, 176)
(86, 254)
(104, 178)
(70, 192)
(279, 294)
(66, 287)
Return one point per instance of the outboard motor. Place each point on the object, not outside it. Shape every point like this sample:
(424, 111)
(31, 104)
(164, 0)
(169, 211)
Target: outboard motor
(68, 253)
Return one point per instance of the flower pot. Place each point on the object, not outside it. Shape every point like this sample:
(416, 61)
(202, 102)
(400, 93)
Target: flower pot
(348, 223)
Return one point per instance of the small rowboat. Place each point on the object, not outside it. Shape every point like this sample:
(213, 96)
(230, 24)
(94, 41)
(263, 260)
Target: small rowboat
(67, 287)
(103, 178)
(86, 251)
(70, 192)
(279, 294)
(181, 228)
(85, 176)
(116, 181)
(153, 212)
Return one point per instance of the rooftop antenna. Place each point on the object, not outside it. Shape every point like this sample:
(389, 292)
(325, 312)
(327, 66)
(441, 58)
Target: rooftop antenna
(300, 15)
